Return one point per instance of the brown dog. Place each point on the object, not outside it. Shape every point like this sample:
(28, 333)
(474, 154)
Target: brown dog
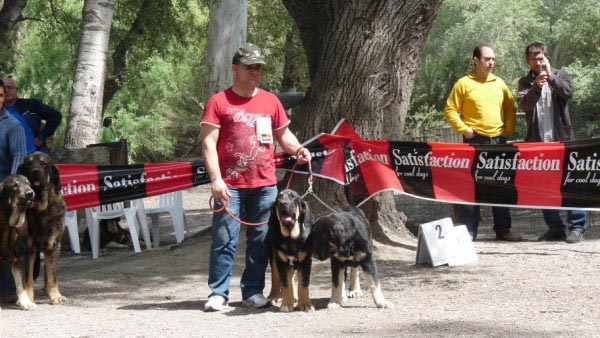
(16, 196)
(45, 220)
(291, 249)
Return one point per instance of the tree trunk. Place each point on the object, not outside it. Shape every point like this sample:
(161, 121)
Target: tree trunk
(113, 82)
(362, 59)
(291, 74)
(90, 71)
(226, 33)
(10, 14)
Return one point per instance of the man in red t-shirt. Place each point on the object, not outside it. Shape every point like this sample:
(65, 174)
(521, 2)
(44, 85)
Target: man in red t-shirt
(239, 127)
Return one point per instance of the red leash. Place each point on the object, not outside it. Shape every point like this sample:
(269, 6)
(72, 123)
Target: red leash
(310, 176)
(210, 200)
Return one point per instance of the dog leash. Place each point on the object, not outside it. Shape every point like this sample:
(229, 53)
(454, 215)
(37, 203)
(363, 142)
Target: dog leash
(224, 207)
(309, 191)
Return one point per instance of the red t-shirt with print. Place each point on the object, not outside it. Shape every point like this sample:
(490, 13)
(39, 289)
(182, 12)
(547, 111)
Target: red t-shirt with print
(244, 161)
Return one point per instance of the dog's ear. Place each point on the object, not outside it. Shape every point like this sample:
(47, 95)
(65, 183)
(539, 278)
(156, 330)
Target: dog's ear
(306, 213)
(55, 176)
(306, 219)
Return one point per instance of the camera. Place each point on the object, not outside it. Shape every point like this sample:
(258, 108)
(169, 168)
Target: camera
(543, 67)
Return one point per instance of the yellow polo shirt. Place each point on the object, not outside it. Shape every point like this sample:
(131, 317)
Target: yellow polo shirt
(487, 107)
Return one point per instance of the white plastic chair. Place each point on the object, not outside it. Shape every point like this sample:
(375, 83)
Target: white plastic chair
(173, 204)
(134, 215)
(71, 225)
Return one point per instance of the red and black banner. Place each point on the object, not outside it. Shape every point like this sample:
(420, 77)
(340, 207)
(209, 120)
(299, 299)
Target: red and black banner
(552, 175)
(549, 175)
(88, 185)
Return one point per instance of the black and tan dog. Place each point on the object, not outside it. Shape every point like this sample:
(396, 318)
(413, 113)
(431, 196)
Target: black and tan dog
(345, 237)
(291, 249)
(45, 220)
(16, 196)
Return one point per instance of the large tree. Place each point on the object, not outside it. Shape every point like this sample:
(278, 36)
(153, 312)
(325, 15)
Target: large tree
(90, 71)
(362, 59)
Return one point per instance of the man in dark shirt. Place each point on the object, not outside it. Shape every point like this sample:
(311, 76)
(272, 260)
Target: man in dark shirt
(34, 112)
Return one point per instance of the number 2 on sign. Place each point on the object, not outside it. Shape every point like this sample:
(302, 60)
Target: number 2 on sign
(439, 229)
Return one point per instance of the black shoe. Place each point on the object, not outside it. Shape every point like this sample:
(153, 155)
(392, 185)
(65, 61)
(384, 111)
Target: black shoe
(553, 235)
(575, 237)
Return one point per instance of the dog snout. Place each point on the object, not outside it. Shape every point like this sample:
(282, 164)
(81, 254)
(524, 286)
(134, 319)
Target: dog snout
(36, 171)
(29, 194)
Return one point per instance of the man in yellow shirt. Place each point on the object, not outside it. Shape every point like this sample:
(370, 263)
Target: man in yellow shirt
(482, 109)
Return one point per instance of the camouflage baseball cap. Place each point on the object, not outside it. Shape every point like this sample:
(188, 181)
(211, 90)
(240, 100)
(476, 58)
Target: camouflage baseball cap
(249, 54)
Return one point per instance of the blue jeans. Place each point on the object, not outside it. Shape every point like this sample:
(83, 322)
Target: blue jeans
(7, 283)
(254, 206)
(575, 218)
(469, 214)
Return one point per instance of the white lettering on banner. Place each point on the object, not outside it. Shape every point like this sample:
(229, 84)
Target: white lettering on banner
(502, 162)
(589, 163)
(358, 158)
(128, 182)
(448, 161)
(590, 178)
(73, 188)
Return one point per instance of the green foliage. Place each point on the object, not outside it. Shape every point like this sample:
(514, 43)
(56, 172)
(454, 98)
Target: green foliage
(585, 101)
(425, 125)
(577, 34)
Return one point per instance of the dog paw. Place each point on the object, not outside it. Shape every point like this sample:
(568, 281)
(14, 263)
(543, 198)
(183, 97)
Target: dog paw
(334, 305)
(60, 299)
(308, 307)
(286, 308)
(355, 294)
(274, 297)
(384, 304)
(26, 304)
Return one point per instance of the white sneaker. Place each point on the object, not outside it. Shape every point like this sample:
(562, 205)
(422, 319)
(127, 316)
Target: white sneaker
(257, 301)
(215, 303)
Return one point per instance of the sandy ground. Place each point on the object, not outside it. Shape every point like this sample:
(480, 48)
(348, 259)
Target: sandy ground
(526, 289)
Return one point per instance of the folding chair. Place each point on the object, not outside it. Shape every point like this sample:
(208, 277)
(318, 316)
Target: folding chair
(173, 204)
(135, 216)
(71, 225)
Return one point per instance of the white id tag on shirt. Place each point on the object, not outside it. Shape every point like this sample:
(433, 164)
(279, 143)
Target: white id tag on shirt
(263, 130)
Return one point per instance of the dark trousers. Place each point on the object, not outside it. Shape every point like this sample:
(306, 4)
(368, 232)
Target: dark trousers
(469, 214)
(7, 282)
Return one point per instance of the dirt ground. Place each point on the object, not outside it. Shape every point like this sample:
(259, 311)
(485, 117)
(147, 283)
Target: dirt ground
(526, 289)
